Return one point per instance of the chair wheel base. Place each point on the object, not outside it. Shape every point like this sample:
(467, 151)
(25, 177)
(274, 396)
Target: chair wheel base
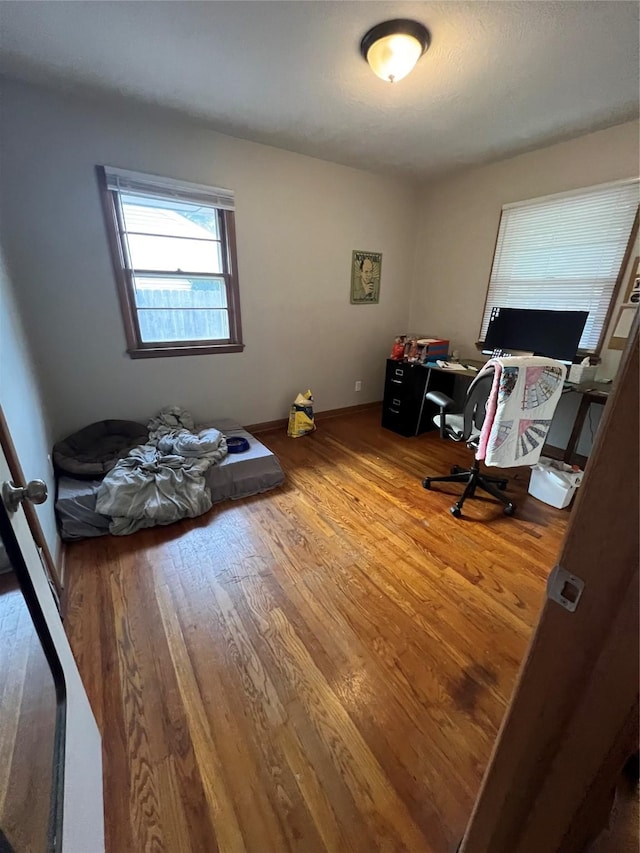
(473, 480)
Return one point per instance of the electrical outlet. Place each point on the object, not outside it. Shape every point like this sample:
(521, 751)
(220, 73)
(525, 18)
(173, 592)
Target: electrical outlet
(358, 385)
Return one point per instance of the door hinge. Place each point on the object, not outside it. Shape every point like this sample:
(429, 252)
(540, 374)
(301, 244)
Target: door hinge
(564, 588)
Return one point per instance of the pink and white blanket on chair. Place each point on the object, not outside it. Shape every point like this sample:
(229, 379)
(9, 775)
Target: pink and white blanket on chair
(523, 398)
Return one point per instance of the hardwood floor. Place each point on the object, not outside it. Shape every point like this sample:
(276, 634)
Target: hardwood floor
(320, 668)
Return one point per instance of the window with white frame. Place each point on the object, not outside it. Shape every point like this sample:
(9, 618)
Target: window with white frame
(173, 247)
(564, 252)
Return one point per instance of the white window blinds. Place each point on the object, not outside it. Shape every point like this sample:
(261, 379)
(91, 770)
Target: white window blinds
(137, 183)
(563, 252)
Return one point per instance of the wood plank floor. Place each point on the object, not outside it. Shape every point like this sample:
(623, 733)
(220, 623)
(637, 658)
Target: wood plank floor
(320, 668)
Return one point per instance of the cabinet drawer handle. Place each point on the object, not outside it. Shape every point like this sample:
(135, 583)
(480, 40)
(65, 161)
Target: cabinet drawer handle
(396, 402)
(397, 381)
(395, 411)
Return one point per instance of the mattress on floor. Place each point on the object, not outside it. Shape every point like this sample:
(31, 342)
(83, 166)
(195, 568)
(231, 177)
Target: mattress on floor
(239, 475)
(76, 509)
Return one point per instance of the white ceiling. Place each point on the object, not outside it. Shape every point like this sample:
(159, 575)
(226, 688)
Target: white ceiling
(499, 78)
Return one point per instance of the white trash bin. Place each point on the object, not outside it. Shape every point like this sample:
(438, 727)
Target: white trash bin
(554, 482)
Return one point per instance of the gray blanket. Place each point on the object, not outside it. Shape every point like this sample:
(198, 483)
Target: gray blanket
(172, 419)
(162, 481)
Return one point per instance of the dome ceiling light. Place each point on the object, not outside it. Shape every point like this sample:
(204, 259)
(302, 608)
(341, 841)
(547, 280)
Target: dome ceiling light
(393, 48)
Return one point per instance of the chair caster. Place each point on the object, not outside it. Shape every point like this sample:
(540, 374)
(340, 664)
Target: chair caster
(455, 511)
(455, 469)
(502, 485)
(509, 509)
(426, 483)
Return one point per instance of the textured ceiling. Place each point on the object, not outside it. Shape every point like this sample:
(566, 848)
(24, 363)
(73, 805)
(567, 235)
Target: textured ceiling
(499, 78)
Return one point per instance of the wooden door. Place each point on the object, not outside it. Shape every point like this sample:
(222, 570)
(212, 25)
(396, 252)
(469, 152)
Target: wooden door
(573, 719)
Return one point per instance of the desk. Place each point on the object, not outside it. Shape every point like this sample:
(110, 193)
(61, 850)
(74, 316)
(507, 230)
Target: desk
(596, 393)
(405, 409)
(406, 412)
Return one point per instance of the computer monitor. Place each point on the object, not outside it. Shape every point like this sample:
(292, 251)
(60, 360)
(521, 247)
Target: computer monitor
(555, 334)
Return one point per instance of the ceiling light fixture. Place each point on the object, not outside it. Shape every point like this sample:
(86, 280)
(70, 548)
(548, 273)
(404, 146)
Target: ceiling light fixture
(393, 48)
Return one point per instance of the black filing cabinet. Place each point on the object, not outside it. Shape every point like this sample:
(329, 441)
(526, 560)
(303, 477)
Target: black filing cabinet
(405, 409)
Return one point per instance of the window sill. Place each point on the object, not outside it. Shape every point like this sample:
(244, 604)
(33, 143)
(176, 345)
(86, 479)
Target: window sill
(170, 351)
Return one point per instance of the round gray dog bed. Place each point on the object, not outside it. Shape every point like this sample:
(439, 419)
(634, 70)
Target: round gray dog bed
(93, 451)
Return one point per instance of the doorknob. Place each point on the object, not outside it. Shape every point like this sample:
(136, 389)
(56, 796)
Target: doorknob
(12, 495)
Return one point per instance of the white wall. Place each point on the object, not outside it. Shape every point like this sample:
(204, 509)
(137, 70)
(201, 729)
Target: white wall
(459, 216)
(297, 218)
(22, 403)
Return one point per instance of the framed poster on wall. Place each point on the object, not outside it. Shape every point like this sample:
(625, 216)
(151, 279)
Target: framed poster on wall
(366, 269)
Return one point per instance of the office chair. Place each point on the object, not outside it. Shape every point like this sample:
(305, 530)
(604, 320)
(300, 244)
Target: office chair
(466, 426)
